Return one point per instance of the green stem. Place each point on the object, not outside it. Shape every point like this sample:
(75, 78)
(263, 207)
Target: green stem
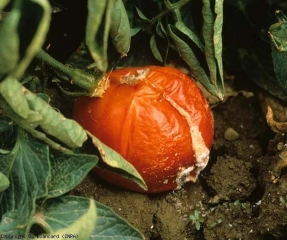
(170, 7)
(76, 76)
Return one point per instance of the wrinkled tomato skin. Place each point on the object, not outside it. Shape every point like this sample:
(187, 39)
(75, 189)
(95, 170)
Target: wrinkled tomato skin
(142, 120)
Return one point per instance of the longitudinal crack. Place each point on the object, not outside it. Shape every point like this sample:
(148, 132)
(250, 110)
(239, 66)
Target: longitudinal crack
(200, 150)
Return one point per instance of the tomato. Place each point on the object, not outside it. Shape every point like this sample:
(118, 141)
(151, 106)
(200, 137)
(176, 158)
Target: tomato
(157, 119)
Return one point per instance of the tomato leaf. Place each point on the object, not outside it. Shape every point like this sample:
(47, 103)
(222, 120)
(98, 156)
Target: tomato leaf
(189, 57)
(5, 124)
(35, 174)
(280, 68)
(155, 50)
(188, 32)
(217, 41)
(208, 36)
(32, 111)
(97, 31)
(11, 91)
(55, 124)
(4, 182)
(7, 136)
(63, 211)
(27, 168)
(142, 16)
(35, 17)
(160, 30)
(11, 221)
(9, 46)
(67, 171)
(83, 227)
(135, 30)
(117, 162)
(3, 3)
(22, 34)
(113, 226)
(120, 30)
(277, 33)
(212, 29)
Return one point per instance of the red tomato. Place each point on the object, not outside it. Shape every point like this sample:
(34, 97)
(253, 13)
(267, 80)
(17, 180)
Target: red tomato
(157, 119)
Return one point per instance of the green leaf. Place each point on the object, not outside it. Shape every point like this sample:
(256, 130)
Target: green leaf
(3, 3)
(35, 17)
(196, 214)
(117, 162)
(213, 224)
(33, 176)
(189, 57)
(197, 226)
(236, 202)
(277, 33)
(4, 182)
(67, 171)
(5, 124)
(11, 221)
(141, 15)
(120, 30)
(27, 167)
(212, 28)
(208, 20)
(134, 31)
(83, 227)
(22, 33)
(217, 41)
(161, 30)
(7, 136)
(188, 32)
(44, 96)
(97, 31)
(55, 124)
(11, 91)
(62, 212)
(155, 50)
(113, 226)
(9, 43)
(192, 217)
(33, 111)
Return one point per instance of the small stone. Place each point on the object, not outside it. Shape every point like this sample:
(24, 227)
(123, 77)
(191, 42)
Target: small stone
(230, 134)
(280, 146)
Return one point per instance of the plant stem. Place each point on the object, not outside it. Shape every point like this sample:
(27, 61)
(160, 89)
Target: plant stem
(45, 57)
(170, 7)
(75, 76)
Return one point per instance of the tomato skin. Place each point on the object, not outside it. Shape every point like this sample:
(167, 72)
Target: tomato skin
(147, 115)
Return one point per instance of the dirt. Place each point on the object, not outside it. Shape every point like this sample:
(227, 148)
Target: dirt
(235, 196)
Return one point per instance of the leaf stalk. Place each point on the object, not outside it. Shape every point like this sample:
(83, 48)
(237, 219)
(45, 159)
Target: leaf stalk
(94, 86)
(170, 7)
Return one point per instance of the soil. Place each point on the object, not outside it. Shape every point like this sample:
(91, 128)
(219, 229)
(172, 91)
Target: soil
(242, 193)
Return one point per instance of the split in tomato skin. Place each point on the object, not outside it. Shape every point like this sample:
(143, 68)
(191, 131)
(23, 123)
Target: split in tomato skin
(157, 119)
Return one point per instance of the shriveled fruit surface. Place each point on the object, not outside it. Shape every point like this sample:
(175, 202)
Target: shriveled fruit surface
(157, 119)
